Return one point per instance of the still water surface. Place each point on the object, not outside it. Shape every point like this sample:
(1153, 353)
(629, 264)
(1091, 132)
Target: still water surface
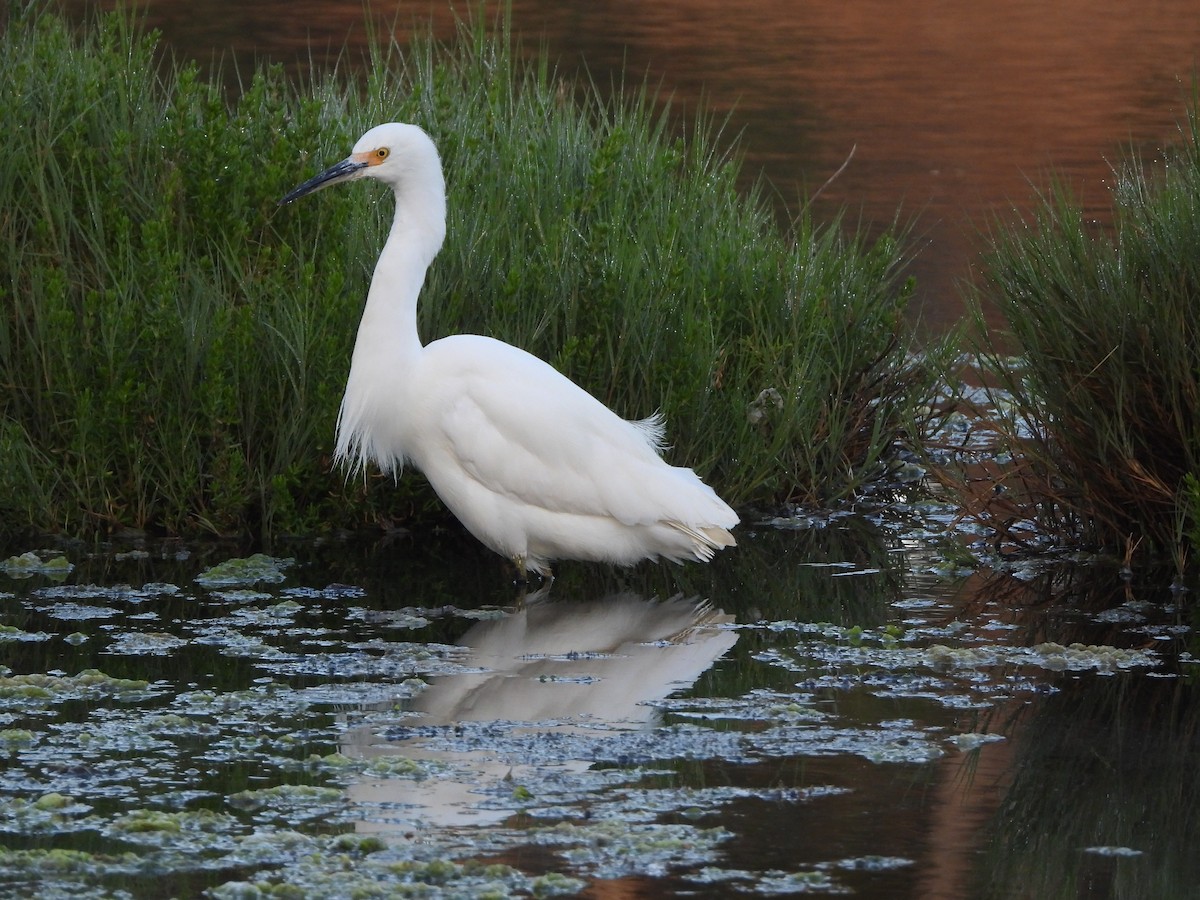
(952, 110)
(825, 710)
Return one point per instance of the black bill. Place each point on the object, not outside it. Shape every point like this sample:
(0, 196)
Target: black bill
(342, 171)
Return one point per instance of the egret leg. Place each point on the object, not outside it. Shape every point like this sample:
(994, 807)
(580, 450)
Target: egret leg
(522, 571)
(522, 566)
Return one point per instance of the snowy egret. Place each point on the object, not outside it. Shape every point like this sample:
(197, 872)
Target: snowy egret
(534, 466)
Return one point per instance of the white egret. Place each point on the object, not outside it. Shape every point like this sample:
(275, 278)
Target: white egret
(534, 466)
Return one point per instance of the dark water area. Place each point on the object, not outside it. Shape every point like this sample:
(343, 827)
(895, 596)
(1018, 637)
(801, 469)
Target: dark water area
(949, 113)
(828, 709)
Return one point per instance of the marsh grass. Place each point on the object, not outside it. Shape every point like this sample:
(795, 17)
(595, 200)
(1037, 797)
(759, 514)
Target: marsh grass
(173, 345)
(1103, 412)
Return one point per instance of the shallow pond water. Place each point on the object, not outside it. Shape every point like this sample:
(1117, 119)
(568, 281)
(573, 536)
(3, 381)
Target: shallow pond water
(830, 709)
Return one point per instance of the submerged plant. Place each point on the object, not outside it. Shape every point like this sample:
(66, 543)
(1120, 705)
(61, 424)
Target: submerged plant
(1099, 403)
(173, 347)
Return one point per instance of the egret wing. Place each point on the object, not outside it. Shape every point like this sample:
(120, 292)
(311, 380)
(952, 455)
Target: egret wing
(520, 428)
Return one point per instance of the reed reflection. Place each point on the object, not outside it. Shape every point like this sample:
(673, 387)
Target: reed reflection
(1094, 791)
(1101, 795)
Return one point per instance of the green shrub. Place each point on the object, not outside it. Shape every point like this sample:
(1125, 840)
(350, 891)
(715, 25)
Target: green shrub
(1104, 412)
(173, 346)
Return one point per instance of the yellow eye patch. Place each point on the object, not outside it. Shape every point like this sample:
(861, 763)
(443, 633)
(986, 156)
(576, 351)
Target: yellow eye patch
(372, 157)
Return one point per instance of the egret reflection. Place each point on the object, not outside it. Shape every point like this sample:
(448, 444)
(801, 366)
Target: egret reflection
(556, 667)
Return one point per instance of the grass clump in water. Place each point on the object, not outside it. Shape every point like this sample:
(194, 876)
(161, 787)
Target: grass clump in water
(1102, 396)
(174, 346)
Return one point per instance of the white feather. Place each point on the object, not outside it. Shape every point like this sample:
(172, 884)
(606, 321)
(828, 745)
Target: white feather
(534, 466)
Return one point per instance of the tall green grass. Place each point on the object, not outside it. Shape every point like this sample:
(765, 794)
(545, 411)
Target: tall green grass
(1104, 413)
(173, 346)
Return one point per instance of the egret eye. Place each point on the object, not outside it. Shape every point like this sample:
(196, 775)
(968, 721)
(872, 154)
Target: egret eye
(381, 154)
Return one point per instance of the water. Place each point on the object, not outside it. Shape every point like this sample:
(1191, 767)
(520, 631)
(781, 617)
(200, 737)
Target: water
(953, 111)
(827, 709)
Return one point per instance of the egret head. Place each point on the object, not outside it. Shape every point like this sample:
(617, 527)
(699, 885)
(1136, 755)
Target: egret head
(393, 153)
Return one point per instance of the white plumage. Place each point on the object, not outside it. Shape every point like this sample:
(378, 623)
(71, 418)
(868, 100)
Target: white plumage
(533, 465)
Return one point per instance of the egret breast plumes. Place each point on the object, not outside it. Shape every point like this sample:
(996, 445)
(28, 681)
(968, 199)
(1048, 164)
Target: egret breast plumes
(533, 465)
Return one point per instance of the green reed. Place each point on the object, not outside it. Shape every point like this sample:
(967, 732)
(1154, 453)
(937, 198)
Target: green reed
(173, 345)
(1105, 413)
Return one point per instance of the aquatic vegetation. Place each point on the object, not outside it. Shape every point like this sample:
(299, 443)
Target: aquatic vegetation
(242, 595)
(284, 743)
(30, 563)
(255, 569)
(291, 802)
(614, 848)
(381, 874)
(1095, 393)
(88, 684)
(776, 883)
(973, 741)
(145, 643)
(151, 824)
(21, 865)
(15, 737)
(11, 634)
(56, 595)
(69, 611)
(166, 333)
(49, 814)
(1113, 851)
(944, 658)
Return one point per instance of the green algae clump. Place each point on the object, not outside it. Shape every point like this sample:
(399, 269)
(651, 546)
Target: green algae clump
(251, 570)
(29, 564)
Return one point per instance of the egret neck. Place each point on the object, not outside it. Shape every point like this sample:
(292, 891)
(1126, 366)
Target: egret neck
(388, 346)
